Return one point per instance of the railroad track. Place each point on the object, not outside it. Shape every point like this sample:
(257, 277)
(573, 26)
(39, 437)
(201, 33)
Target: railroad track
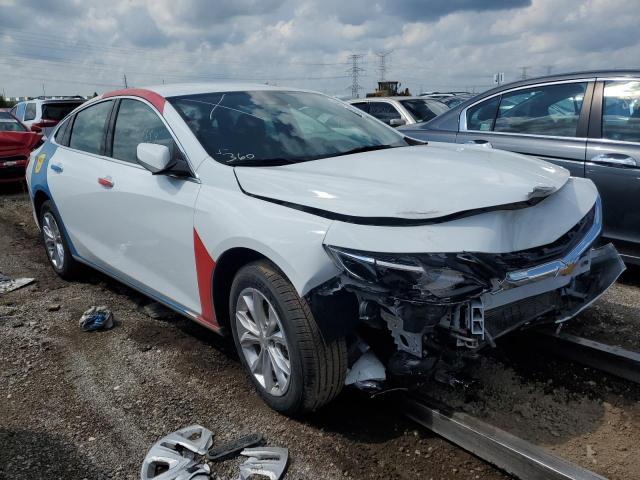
(607, 358)
(512, 454)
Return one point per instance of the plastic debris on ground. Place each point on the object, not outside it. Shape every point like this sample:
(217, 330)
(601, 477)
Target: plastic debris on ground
(367, 373)
(182, 455)
(97, 318)
(270, 462)
(9, 285)
(228, 450)
(156, 310)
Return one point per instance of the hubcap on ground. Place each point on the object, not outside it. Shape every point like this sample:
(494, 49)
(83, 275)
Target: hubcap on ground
(263, 342)
(53, 240)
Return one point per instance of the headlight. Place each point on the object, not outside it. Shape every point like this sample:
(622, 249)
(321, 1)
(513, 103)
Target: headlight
(439, 278)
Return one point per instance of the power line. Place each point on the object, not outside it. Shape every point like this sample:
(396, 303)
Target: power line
(383, 65)
(355, 72)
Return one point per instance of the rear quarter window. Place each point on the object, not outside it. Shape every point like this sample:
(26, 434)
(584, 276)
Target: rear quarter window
(89, 128)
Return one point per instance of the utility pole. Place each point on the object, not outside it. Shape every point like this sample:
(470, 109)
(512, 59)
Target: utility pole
(549, 68)
(44, 92)
(355, 72)
(124, 78)
(383, 65)
(524, 72)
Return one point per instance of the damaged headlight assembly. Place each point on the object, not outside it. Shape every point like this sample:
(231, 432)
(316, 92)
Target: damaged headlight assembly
(440, 278)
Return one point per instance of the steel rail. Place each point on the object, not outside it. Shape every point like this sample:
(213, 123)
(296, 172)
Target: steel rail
(514, 455)
(607, 358)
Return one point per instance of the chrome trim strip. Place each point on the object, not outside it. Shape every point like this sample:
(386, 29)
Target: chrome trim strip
(534, 135)
(552, 269)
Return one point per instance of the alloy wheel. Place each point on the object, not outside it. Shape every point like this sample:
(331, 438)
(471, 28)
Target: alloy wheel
(53, 240)
(263, 341)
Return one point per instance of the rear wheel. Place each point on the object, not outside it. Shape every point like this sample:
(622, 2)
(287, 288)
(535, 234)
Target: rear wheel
(56, 244)
(290, 364)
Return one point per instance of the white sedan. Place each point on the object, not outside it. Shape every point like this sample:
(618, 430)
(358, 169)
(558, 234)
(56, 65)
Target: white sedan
(334, 249)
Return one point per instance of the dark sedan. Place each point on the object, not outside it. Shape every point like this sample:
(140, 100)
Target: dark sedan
(587, 122)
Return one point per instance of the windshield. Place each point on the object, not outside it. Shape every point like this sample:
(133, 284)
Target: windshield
(9, 124)
(423, 110)
(277, 127)
(57, 111)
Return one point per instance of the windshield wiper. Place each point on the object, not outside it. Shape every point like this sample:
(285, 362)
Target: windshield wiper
(257, 162)
(369, 148)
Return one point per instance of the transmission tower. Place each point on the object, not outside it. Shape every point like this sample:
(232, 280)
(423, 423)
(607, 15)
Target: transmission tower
(355, 72)
(383, 64)
(524, 72)
(549, 68)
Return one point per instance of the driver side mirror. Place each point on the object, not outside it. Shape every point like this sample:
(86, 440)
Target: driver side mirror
(397, 122)
(36, 129)
(153, 157)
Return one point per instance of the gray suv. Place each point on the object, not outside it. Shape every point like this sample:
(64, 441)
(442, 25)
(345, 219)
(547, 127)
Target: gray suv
(587, 122)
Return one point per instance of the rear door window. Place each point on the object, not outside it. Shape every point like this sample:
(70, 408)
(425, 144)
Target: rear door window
(551, 110)
(383, 111)
(138, 123)
(61, 134)
(482, 115)
(30, 113)
(621, 111)
(89, 128)
(364, 106)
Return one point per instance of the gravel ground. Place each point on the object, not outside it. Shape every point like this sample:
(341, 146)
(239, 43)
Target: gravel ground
(81, 405)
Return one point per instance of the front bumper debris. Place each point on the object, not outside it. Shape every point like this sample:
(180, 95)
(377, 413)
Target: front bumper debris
(423, 336)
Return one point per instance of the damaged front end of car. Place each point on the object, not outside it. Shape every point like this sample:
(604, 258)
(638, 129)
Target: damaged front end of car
(428, 314)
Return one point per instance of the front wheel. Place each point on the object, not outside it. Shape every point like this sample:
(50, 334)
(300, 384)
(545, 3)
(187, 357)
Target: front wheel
(280, 345)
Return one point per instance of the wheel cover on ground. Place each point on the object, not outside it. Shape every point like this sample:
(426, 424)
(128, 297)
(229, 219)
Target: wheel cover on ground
(262, 341)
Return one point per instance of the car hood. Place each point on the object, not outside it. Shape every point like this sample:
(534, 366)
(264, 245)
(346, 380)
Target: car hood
(17, 141)
(413, 184)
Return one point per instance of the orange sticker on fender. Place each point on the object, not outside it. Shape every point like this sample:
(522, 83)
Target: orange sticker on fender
(39, 162)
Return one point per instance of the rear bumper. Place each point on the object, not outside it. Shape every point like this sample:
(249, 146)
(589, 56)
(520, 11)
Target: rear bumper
(12, 169)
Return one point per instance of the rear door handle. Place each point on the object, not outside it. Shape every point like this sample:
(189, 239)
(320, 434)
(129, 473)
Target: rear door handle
(615, 160)
(106, 182)
(56, 167)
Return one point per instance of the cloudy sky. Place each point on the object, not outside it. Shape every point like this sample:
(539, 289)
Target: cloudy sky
(82, 46)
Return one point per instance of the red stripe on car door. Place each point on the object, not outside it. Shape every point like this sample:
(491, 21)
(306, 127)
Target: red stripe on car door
(204, 268)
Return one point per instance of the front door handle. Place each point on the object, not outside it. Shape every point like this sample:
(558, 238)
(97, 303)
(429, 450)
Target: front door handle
(56, 167)
(615, 160)
(106, 182)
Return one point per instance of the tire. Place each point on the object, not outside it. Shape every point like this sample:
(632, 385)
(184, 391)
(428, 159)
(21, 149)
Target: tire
(51, 230)
(317, 369)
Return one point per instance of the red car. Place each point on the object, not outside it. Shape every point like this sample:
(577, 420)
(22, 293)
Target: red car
(16, 143)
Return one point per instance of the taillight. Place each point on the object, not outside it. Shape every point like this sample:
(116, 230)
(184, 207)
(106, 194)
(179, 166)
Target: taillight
(45, 123)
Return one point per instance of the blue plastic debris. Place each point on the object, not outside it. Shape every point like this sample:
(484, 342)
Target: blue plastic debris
(96, 318)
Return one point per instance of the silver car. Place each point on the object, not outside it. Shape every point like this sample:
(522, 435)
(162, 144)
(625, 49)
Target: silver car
(397, 111)
(587, 122)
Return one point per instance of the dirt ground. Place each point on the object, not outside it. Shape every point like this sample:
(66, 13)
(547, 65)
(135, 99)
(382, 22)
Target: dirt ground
(76, 405)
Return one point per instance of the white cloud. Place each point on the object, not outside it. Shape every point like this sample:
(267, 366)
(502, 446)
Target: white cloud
(79, 46)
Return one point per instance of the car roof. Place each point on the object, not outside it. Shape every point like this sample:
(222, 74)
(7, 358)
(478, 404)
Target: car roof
(448, 119)
(178, 89)
(399, 97)
(560, 77)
